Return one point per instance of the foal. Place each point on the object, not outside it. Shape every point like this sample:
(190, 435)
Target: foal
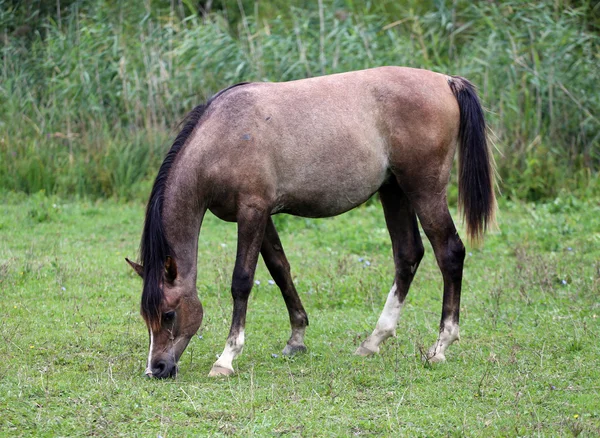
(315, 148)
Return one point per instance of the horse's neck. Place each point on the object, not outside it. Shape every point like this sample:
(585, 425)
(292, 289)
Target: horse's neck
(182, 217)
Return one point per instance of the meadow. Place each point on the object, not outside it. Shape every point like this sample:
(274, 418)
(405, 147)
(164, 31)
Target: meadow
(74, 346)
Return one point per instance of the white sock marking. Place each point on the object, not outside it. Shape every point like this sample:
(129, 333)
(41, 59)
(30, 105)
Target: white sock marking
(386, 325)
(448, 334)
(233, 347)
(297, 337)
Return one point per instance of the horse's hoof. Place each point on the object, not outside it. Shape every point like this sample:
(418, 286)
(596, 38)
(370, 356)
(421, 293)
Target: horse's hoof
(218, 371)
(432, 357)
(291, 350)
(364, 351)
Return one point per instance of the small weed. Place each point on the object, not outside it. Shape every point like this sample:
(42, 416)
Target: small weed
(575, 346)
(41, 208)
(575, 426)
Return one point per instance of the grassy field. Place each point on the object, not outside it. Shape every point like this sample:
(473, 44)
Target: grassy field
(73, 345)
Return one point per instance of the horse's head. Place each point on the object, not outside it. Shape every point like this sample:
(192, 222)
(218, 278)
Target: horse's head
(172, 319)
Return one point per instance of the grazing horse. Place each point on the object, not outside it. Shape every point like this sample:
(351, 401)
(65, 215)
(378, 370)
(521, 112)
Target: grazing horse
(315, 147)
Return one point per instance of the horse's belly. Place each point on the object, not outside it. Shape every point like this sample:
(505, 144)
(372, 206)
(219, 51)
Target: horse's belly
(329, 190)
(325, 204)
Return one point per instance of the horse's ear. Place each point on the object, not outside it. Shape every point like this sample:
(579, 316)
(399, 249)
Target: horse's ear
(170, 269)
(139, 269)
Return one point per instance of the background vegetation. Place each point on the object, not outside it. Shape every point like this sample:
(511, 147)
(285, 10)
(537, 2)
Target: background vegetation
(91, 91)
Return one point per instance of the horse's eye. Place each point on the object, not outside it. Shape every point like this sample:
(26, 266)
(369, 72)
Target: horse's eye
(169, 316)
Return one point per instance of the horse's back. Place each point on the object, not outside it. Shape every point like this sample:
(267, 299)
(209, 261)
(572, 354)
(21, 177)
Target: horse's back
(321, 146)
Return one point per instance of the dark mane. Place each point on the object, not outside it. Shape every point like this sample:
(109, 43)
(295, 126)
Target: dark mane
(154, 247)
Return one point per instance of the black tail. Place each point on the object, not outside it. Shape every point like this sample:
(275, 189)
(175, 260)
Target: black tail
(476, 179)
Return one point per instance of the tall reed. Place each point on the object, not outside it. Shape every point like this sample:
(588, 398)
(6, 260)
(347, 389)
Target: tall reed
(88, 104)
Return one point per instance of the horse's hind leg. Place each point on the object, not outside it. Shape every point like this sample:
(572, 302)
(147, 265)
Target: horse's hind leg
(408, 251)
(278, 266)
(449, 250)
(252, 221)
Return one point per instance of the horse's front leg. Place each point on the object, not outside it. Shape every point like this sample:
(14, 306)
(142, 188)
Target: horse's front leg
(252, 221)
(279, 267)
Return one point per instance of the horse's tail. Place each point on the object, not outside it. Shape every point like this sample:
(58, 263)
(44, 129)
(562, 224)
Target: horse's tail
(476, 179)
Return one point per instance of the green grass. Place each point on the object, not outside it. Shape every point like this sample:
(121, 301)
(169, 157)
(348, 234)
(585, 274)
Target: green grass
(73, 345)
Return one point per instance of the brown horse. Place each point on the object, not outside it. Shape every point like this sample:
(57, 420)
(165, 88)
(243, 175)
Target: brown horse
(315, 148)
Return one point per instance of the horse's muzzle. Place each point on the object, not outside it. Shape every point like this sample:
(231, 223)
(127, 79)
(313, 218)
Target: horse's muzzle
(162, 369)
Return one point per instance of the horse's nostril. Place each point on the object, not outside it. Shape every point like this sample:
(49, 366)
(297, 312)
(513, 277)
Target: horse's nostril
(159, 368)
(163, 369)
